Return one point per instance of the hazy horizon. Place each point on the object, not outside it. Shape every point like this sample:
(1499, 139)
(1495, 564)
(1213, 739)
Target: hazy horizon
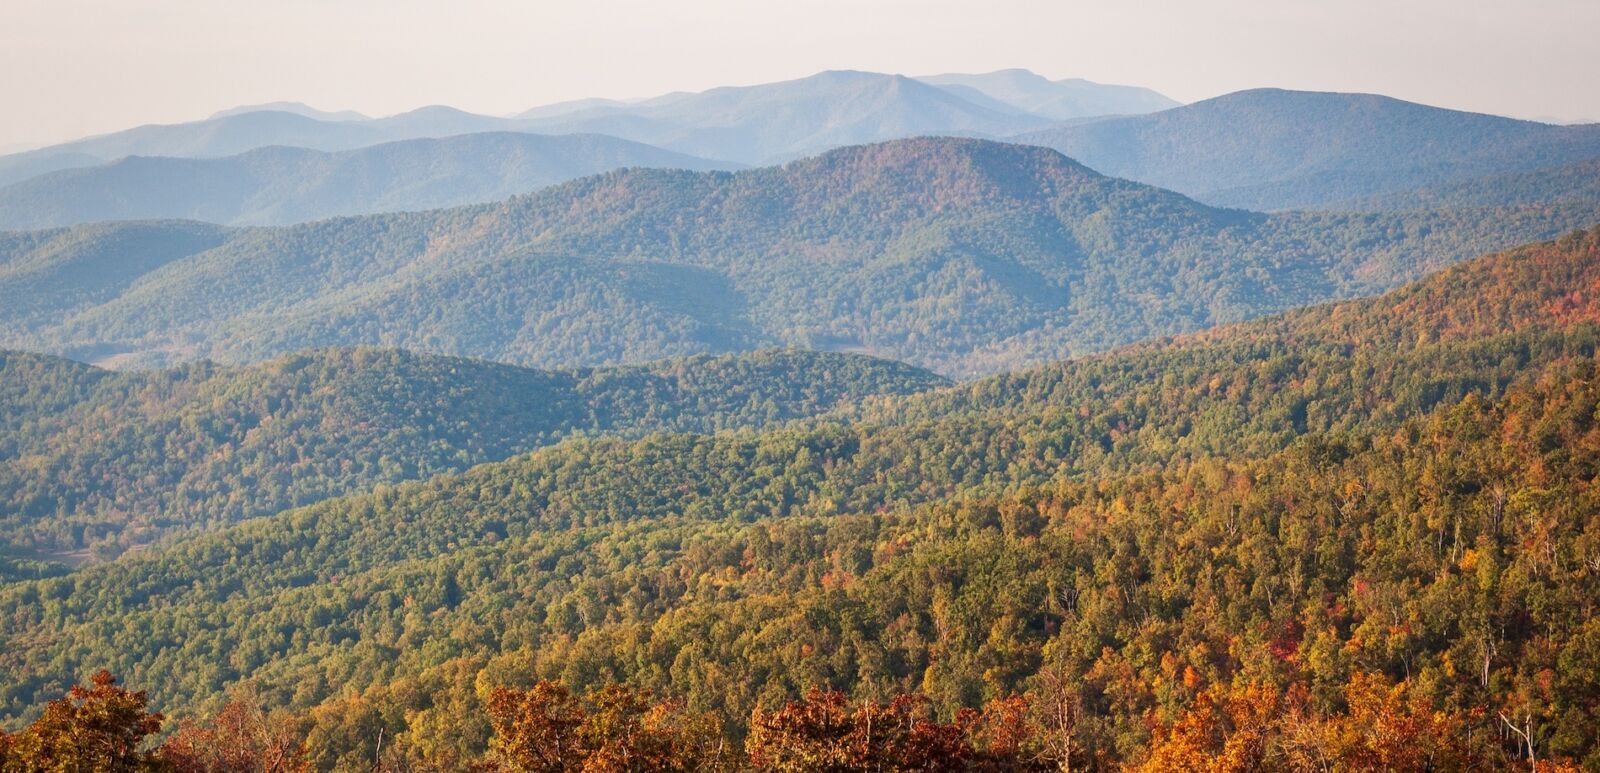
(74, 68)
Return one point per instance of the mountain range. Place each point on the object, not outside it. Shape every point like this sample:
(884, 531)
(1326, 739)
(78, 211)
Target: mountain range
(781, 121)
(860, 421)
(745, 124)
(280, 185)
(1265, 149)
(964, 256)
(1270, 149)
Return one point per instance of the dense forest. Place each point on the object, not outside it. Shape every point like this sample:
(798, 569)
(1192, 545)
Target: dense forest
(1239, 549)
(100, 461)
(963, 256)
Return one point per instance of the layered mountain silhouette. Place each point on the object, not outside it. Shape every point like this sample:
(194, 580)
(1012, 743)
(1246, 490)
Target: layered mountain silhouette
(779, 121)
(964, 256)
(745, 124)
(281, 185)
(1272, 149)
(1265, 149)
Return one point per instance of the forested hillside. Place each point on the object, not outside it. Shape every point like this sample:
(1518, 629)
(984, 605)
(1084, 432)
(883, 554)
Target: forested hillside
(963, 256)
(1535, 188)
(1237, 545)
(97, 460)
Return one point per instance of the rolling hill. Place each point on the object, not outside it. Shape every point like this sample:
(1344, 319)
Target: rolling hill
(959, 255)
(1270, 149)
(282, 185)
(102, 460)
(1293, 506)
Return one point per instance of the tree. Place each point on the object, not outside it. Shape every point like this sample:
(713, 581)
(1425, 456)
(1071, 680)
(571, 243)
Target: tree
(1385, 727)
(1059, 710)
(95, 729)
(1227, 729)
(242, 738)
(545, 729)
(822, 733)
(537, 730)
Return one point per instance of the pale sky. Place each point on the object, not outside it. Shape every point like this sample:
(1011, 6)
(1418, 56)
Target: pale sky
(74, 67)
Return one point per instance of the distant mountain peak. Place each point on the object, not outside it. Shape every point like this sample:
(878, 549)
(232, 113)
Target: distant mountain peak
(1015, 74)
(849, 75)
(1274, 148)
(1278, 96)
(432, 111)
(298, 108)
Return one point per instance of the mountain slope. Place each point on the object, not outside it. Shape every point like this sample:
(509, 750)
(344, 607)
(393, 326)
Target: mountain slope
(1558, 185)
(1367, 508)
(1272, 149)
(960, 255)
(1060, 100)
(1531, 305)
(94, 458)
(280, 185)
(44, 272)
